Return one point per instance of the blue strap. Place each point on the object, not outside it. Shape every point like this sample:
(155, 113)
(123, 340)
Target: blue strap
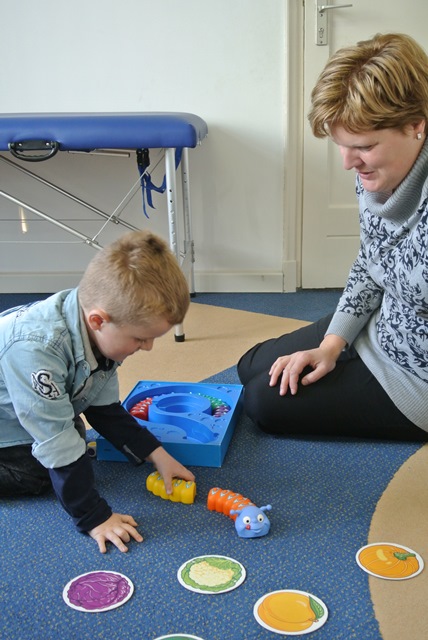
(147, 186)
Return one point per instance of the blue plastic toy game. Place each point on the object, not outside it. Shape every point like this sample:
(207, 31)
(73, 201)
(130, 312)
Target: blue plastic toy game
(193, 421)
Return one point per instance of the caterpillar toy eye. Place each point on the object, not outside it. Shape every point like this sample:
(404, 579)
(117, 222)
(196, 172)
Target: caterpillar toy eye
(246, 519)
(260, 517)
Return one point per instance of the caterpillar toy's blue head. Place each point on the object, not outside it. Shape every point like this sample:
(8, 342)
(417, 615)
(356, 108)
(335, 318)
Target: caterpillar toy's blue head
(252, 522)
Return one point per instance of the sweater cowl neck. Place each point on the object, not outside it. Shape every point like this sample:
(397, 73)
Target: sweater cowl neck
(404, 201)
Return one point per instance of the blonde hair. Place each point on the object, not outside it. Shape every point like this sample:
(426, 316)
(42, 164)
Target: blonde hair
(376, 84)
(136, 279)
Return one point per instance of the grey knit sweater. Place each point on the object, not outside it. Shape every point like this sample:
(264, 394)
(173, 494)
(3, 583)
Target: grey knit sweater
(383, 310)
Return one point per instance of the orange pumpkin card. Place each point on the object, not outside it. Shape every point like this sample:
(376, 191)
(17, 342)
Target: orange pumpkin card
(389, 561)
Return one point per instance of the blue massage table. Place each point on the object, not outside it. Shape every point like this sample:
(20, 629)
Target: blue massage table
(35, 137)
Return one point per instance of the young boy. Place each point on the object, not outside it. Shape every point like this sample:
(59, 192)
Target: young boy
(59, 359)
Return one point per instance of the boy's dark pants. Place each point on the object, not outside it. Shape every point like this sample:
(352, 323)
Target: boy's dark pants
(21, 474)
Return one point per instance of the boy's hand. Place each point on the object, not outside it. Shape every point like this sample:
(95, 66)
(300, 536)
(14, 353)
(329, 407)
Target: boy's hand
(169, 468)
(117, 529)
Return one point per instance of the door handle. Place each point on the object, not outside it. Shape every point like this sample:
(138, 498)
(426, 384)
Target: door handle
(322, 21)
(326, 7)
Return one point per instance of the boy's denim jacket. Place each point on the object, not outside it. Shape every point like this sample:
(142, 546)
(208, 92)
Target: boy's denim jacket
(45, 378)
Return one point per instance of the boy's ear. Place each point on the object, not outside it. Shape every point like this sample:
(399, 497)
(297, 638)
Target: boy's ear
(96, 318)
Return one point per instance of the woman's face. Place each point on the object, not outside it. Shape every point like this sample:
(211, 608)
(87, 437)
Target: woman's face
(381, 158)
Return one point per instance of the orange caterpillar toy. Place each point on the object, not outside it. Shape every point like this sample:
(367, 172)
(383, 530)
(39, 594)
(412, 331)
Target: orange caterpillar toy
(223, 501)
(250, 521)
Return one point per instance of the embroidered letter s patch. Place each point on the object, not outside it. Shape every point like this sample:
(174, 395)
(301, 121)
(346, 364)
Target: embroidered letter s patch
(44, 385)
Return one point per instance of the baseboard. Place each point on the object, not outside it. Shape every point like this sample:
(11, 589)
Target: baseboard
(37, 282)
(237, 282)
(207, 282)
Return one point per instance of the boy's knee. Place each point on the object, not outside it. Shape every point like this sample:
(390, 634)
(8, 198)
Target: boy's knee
(15, 484)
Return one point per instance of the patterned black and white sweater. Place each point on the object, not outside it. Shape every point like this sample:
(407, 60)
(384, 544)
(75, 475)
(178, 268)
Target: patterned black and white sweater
(383, 310)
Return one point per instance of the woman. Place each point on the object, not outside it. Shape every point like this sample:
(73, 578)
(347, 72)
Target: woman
(362, 372)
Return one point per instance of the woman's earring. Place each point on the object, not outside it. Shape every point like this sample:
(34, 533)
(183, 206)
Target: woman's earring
(419, 136)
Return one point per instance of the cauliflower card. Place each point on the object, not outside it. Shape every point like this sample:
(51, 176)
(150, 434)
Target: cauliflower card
(211, 574)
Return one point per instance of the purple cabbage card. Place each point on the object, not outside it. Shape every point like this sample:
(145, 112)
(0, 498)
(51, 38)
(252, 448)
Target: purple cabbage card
(98, 591)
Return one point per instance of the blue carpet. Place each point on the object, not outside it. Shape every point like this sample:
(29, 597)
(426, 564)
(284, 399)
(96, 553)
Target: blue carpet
(307, 304)
(10, 300)
(323, 494)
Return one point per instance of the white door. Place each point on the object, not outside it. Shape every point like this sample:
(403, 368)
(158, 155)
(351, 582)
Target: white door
(330, 217)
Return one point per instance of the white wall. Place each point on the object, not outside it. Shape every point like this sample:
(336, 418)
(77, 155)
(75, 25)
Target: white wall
(223, 60)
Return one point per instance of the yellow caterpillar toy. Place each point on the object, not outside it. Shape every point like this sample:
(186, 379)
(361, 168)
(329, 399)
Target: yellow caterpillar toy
(182, 490)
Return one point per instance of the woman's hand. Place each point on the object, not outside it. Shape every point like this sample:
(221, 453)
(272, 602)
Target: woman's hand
(322, 360)
(118, 529)
(169, 468)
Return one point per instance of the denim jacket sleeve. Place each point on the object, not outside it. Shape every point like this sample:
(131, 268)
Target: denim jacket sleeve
(38, 387)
